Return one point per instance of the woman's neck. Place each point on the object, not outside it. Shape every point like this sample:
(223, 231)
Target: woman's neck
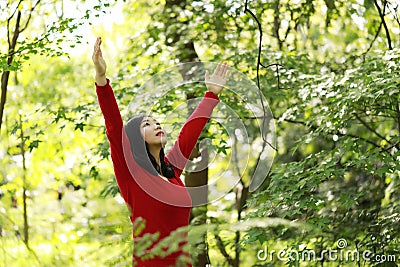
(155, 152)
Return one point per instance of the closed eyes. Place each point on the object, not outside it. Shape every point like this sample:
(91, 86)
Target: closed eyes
(148, 124)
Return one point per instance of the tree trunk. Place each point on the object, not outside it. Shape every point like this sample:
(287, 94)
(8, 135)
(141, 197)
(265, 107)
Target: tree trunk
(24, 189)
(6, 74)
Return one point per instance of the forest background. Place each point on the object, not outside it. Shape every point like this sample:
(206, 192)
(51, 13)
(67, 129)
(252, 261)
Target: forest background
(335, 100)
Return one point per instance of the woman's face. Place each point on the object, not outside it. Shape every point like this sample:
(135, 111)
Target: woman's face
(152, 132)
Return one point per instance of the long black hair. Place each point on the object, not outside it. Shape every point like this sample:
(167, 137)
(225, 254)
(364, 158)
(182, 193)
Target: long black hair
(139, 149)
(165, 169)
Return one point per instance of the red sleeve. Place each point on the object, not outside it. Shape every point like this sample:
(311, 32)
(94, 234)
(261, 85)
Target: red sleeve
(111, 114)
(187, 139)
(114, 127)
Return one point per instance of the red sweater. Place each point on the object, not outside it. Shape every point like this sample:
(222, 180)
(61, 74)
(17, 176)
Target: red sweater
(164, 205)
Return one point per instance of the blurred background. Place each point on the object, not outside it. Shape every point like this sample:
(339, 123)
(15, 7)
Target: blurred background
(336, 112)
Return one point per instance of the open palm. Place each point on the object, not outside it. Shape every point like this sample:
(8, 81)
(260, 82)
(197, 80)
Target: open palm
(98, 60)
(218, 79)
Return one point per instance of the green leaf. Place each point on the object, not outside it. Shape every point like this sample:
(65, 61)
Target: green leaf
(80, 126)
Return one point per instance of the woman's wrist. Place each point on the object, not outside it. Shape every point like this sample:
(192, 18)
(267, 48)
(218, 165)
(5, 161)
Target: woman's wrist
(101, 80)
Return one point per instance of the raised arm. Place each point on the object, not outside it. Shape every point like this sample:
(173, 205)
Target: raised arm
(113, 121)
(106, 98)
(191, 130)
(99, 63)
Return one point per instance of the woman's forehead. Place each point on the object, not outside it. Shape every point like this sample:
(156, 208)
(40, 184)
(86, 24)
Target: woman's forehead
(149, 119)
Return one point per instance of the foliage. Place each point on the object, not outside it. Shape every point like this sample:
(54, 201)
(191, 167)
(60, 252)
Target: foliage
(336, 109)
(345, 185)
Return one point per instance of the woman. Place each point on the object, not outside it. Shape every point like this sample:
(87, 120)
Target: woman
(148, 181)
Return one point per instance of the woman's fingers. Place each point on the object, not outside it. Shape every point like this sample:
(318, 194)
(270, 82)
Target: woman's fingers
(97, 50)
(219, 68)
(207, 75)
(222, 69)
(217, 80)
(99, 62)
(98, 43)
(226, 71)
(227, 74)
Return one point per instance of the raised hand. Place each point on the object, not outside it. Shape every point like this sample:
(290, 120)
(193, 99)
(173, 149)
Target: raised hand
(217, 80)
(99, 63)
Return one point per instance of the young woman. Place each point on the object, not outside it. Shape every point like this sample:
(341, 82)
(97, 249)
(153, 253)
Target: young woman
(149, 180)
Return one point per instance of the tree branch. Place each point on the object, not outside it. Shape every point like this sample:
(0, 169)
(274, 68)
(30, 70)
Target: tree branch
(275, 31)
(29, 16)
(13, 43)
(394, 13)
(237, 249)
(398, 116)
(289, 28)
(258, 73)
(382, 16)
(370, 128)
(221, 247)
(373, 41)
(15, 10)
(8, 21)
(337, 133)
(236, 160)
(22, 48)
(6, 74)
